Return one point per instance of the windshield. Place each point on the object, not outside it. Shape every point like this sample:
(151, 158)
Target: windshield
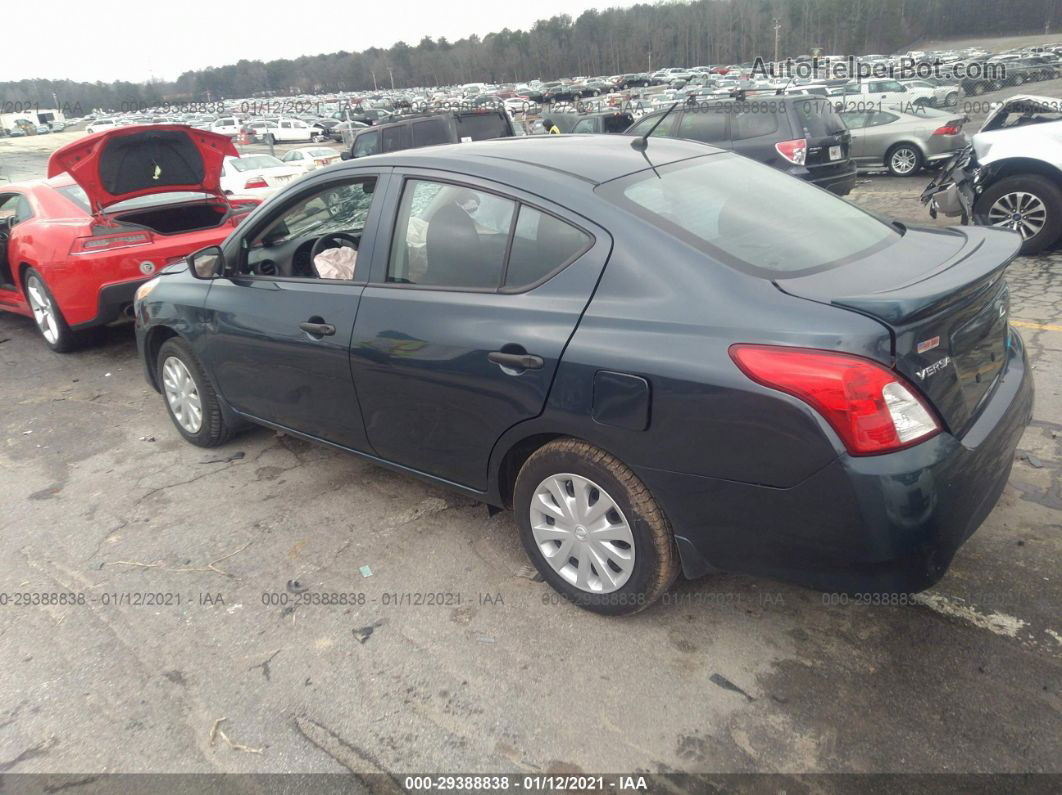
(255, 162)
(784, 227)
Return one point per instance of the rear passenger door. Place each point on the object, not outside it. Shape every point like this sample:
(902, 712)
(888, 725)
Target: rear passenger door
(465, 318)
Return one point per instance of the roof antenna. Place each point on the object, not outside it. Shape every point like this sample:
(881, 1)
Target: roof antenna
(641, 143)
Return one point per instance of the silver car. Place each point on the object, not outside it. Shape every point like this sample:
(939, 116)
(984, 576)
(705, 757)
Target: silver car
(903, 143)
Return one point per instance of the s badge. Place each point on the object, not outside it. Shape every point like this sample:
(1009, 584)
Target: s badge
(928, 345)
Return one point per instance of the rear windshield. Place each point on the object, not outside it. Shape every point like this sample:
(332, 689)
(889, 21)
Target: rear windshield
(254, 162)
(781, 227)
(818, 117)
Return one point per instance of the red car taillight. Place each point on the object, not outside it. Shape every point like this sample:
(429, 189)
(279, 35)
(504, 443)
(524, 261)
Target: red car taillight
(870, 407)
(948, 129)
(795, 151)
(256, 182)
(90, 245)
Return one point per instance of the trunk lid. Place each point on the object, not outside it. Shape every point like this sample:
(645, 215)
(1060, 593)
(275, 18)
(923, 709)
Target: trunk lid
(128, 162)
(828, 138)
(943, 297)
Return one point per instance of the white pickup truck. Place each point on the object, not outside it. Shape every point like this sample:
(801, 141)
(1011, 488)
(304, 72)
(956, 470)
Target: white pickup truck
(881, 95)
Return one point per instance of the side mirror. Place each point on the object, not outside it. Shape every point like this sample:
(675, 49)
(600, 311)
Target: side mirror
(207, 263)
(344, 155)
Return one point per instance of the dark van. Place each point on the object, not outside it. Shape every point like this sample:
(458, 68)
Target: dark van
(413, 132)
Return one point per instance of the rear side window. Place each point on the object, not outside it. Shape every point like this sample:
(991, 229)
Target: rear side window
(396, 138)
(367, 144)
(542, 244)
(481, 127)
(753, 121)
(710, 124)
(456, 237)
(450, 236)
(644, 125)
(784, 228)
(430, 133)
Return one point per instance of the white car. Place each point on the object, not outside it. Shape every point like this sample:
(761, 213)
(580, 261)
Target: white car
(1011, 174)
(101, 124)
(285, 130)
(943, 96)
(310, 158)
(256, 176)
(226, 125)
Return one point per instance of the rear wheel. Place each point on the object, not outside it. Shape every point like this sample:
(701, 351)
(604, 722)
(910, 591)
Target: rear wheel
(46, 314)
(903, 160)
(592, 528)
(1029, 204)
(190, 397)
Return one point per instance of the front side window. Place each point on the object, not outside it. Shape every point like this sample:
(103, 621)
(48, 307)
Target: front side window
(317, 238)
(450, 236)
(783, 228)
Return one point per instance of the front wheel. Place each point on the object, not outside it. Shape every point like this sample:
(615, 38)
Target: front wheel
(903, 160)
(951, 100)
(46, 314)
(592, 528)
(1028, 204)
(191, 400)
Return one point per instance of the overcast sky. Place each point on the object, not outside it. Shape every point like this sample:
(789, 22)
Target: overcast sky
(113, 40)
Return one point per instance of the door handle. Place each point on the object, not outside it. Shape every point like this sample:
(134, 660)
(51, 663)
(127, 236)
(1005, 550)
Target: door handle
(318, 329)
(517, 361)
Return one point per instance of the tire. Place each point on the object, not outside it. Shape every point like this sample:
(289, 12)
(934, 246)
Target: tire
(951, 100)
(640, 558)
(47, 315)
(977, 89)
(1018, 80)
(903, 160)
(1009, 193)
(212, 429)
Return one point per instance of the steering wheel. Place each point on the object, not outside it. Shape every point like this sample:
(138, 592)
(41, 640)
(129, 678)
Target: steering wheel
(342, 237)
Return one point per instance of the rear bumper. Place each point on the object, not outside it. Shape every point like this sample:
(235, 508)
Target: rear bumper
(874, 524)
(839, 179)
(112, 302)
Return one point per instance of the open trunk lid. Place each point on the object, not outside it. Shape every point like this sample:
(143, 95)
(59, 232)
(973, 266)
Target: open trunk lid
(128, 162)
(943, 297)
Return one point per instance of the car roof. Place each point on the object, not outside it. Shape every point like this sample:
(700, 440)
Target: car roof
(587, 158)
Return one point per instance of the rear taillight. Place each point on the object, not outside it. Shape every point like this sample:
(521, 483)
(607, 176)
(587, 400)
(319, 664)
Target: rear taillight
(870, 407)
(795, 151)
(256, 182)
(948, 129)
(90, 245)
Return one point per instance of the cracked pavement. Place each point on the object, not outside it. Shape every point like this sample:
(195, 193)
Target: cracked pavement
(101, 497)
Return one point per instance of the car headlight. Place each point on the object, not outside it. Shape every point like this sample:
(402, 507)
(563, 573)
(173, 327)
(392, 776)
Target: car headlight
(144, 290)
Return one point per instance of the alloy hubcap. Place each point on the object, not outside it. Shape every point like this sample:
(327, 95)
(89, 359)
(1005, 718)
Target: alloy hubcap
(582, 533)
(182, 395)
(1023, 212)
(43, 311)
(903, 161)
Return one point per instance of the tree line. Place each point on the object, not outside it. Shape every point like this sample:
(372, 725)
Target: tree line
(640, 38)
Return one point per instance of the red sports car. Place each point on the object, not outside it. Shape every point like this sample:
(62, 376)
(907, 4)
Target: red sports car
(117, 206)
